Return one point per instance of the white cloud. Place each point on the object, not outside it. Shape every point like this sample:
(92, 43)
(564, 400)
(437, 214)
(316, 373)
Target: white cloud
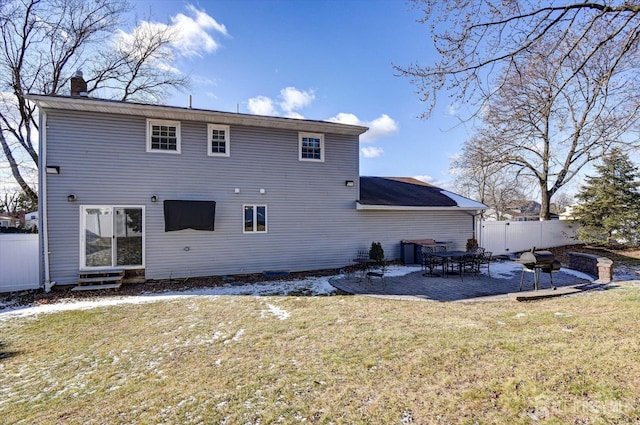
(442, 184)
(191, 35)
(192, 32)
(291, 99)
(204, 81)
(425, 178)
(452, 109)
(294, 99)
(206, 21)
(261, 105)
(294, 115)
(371, 151)
(345, 118)
(379, 127)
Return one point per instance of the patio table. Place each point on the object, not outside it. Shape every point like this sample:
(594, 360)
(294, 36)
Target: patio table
(447, 256)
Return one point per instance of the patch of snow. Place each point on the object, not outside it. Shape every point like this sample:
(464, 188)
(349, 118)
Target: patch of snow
(311, 285)
(396, 271)
(576, 273)
(238, 334)
(278, 312)
(624, 273)
(520, 315)
(505, 269)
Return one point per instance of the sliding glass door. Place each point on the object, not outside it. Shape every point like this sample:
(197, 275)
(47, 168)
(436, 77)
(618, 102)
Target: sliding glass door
(112, 237)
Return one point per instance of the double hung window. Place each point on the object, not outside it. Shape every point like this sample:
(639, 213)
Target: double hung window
(163, 136)
(311, 147)
(218, 140)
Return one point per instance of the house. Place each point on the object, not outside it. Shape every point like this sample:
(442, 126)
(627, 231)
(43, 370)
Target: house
(569, 212)
(169, 192)
(7, 221)
(31, 220)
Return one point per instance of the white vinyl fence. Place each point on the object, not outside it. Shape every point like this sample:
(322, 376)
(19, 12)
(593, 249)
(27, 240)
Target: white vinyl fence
(504, 237)
(19, 268)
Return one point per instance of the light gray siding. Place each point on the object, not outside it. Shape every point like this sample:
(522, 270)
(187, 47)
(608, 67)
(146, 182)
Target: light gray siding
(312, 220)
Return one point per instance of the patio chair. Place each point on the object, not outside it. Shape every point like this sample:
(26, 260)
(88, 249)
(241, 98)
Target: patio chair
(429, 261)
(378, 270)
(362, 263)
(484, 260)
(466, 264)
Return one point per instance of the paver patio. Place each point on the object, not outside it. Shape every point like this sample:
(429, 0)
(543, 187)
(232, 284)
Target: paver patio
(503, 284)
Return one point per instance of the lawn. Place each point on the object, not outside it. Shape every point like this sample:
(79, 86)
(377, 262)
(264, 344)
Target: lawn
(329, 359)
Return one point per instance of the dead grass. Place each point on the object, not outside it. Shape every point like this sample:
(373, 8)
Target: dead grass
(340, 359)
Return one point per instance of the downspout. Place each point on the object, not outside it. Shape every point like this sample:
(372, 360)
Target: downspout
(44, 225)
(476, 218)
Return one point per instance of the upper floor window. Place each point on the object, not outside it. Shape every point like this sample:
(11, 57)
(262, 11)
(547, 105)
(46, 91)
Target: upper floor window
(311, 147)
(218, 140)
(163, 136)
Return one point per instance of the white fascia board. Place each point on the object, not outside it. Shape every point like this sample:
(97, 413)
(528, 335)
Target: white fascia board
(189, 114)
(463, 201)
(360, 206)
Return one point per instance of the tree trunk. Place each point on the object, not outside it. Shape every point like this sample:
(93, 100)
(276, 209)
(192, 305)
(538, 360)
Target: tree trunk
(545, 204)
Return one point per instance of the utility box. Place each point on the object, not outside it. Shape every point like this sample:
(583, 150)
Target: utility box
(407, 252)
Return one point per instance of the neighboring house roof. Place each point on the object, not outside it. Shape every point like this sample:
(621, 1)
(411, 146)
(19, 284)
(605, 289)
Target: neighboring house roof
(90, 104)
(410, 193)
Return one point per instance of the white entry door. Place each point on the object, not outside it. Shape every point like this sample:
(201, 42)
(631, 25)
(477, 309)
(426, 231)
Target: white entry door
(111, 237)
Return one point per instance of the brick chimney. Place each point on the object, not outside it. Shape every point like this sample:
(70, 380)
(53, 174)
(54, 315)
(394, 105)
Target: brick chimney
(78, 85)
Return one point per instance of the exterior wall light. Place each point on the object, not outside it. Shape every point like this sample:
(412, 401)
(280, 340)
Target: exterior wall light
(154, 198)
(52, 169)
(72, 197)
(349, 183)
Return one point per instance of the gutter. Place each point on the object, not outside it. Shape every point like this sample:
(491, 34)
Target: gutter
(360, 206)
(44, 222)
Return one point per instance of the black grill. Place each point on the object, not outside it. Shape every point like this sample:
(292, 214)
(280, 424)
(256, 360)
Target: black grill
(536, 261)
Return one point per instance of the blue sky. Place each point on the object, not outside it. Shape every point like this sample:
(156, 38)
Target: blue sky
(321, 60)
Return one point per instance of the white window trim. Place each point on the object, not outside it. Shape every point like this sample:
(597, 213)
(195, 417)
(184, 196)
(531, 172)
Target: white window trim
(227, 139)
(255, 219)
(320, 136)
(176, 124)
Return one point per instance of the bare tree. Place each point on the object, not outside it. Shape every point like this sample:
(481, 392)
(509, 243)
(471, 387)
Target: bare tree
(562, 201)
(549, 119)
(478, 39)
(43, 42)
(555, 84)
(479, 177)
(14, 202)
